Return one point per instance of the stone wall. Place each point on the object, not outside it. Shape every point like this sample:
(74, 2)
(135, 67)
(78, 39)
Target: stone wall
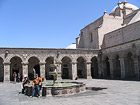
(122, 35)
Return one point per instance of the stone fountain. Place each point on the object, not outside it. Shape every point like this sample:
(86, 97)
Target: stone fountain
(58, 88)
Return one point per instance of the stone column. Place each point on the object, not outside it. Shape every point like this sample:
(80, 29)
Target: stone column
(25, 68)
(74, 70)
(111, 61)
(42, 69)
(88, 65)
(6, 71)
(104, 74)
(58, 68)
(136, 67)
(100, 71)
(123, 69)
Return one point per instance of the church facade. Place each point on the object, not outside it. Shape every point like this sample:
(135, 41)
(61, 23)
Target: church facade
(107, 48)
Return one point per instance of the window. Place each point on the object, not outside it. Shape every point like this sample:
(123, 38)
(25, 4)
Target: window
(91, 37)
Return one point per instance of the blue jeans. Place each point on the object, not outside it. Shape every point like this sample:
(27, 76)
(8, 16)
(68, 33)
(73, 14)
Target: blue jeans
(38, 90)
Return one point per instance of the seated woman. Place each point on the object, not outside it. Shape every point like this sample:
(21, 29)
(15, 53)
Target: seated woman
(25, 81)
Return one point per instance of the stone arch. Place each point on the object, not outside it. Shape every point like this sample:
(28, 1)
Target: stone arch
(33, 67)
(49, 60)
(16, 66)
(94, 67)
(130, 72)
(83, 57)
(1, 70)
(66, 68)
(32, 55)
(62, 56)
(81, 67)
(117, 68)
(12, 56)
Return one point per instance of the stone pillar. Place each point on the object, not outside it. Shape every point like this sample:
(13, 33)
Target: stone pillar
(88, 65)
(100, 68)
(74, 70)
(104, 74)
(58, 68)
(25, 68)
(111, 61)
(6, 71)
(123, 69)
(42, 69)
(136, 67)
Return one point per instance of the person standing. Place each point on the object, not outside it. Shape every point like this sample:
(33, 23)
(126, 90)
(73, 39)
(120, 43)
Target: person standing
(14, 76)
(36, 85)
(18, 77)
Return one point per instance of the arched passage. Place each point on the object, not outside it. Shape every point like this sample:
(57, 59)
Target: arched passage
(15, 66)
(49, 60)
(1, 70)
(34, 67)
(66, 68)
(81, 67)
(130, 73)
(94, 67)
(107, 65)
(117, 69)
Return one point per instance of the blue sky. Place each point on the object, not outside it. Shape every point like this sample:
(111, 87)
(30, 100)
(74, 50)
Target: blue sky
(48, 23)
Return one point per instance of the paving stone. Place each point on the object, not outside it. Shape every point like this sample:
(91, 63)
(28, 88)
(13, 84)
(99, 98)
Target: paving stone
(118, 92)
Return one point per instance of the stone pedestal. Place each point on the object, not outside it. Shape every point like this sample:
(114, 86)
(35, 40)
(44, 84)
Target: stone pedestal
(88, 64)
(74, 70)
(58, 68)
(42, 69)
(6, 71)
(123, 69)
(25, 68)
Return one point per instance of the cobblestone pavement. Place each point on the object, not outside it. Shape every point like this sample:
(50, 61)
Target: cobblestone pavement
(118, 92)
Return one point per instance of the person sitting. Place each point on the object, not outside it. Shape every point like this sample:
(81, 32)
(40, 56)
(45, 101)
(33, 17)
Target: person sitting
(36, 85)
(77, 78)
(25, 81)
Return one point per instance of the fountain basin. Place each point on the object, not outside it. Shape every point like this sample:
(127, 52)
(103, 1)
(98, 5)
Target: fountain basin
(59, 89)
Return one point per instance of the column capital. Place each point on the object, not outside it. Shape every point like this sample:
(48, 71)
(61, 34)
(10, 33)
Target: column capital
(74, 63)
(58, 62)
(89, 62)
(42, 63)
(111, 60)
(135, 58)
(123, 58)
(6, 63)
(24, 63)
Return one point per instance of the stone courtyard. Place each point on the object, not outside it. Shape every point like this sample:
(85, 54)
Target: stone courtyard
(118, 92)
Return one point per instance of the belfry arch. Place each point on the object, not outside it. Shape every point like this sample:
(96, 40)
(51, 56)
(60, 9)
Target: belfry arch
(15, 66)
(33, 68)
(66, 72)
(81, 67)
